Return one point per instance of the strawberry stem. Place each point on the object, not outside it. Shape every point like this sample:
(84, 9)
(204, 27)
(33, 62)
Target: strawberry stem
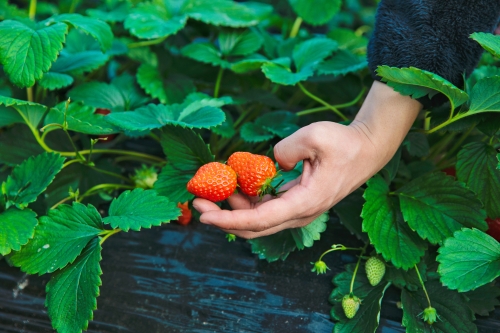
(356, 269)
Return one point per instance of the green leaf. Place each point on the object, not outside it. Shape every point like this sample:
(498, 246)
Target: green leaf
(305, 236)
(59, 238)
(477, 167)
(279, 123)
(239, 43)
(367, 318)
(250, 132)
(31, 178)
(72, 292)
(454, 314)
(248, 64)
(436, 206)
(469, 260)
(406, 279)
(121, 95)
(419, 83)
(9, 11)
(317, 13)
(310, 53)
(489, 42)
(198, 111)
(342, 63)
(274, 247)
(481, 73)
(152, 20)
(226, 129)
(17, 144)
(417, 144)
(9, 116)
(96, 28)
(204, 52)
(54, 81)
(186, 153)
(28, 52)
(227, 12)
(348, 40)
(349, 213)
(172, 88)
(80, 118)
(16, 229)
(484, 96)
(283, 75)
(387, 231)
(140, 208)
(483, 300)
(117, 13)
(32, 113)
(281, 244)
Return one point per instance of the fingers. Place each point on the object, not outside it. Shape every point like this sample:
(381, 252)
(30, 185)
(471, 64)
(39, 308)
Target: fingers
(203, 205)
(293, 149)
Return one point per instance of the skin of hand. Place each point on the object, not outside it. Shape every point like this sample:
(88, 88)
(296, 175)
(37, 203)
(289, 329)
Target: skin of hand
(337, 160)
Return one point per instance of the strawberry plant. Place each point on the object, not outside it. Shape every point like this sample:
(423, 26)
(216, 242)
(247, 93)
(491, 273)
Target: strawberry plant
(108, 110)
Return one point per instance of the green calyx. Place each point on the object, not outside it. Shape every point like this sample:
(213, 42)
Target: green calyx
(319, 267)
(429, 315)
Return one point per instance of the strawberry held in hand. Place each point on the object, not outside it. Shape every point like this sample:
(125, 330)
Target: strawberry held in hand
(255, 173)
(213, 181)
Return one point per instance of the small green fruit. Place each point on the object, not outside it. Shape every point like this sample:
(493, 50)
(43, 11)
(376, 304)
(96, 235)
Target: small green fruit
(350, 304)
(430, 315)
(145, 177)
(375, 270)
(319, 267)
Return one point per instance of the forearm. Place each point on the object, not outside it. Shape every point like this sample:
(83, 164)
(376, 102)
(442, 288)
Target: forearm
(385, 118)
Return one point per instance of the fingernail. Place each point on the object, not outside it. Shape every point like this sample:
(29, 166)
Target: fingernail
(196, 207)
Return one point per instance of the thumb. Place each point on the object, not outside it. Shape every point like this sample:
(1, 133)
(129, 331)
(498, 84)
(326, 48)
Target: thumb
(295, 148)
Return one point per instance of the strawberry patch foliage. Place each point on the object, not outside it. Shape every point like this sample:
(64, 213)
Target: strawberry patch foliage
(83, 84)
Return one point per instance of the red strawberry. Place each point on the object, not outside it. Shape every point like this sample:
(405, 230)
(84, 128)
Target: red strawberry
(186, 216)
(213, 181)
(451, 171)
(105, 137)
(494, 228)
(255, 172)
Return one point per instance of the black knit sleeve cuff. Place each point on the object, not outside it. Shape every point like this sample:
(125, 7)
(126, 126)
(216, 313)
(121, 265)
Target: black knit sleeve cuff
(432, 35)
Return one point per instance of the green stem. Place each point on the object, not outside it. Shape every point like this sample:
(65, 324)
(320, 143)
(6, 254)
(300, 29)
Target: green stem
(71, 162)
(423, 285)
(72, 8)
(447, 122)
(296, 27)
(217, 82)
(146, 43)
(29, 94)
(35, 133)
(319, 100)
(112, 174)
(438, 147)
(78, 156)
(458, 144)
(93, 190)
(114, 152)
(107, 234)
(356, 269)
(32, 9)
(339, 247)
(338, 106)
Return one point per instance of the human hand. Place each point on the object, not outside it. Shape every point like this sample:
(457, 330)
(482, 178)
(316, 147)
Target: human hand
(337, 160)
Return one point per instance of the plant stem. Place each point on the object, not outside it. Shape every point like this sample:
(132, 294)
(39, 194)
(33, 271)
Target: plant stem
(114, 152)
(72, 8)
(29, 94)
(107, 234)
(460, 141)
(339, 248)
(217, 82)
(338, 106)
(319, 100)
(146, 43)
(448, 122)
(356, 269)
(97, 188)
(32, 9)
(423, 285)
(71, 162)
(296, 27)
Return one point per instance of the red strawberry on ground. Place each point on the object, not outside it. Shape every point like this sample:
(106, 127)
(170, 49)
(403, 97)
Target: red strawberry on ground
(255, 173)
(493, 228)
(104, 112)
(186, 216)
(213, 181)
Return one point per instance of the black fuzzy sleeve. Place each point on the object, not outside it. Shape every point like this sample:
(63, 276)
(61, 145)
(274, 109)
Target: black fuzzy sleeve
(432, 35)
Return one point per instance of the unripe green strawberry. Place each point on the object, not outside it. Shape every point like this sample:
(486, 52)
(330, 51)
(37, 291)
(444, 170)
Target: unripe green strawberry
(145, 177)
(375, 270)
(350, 304)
